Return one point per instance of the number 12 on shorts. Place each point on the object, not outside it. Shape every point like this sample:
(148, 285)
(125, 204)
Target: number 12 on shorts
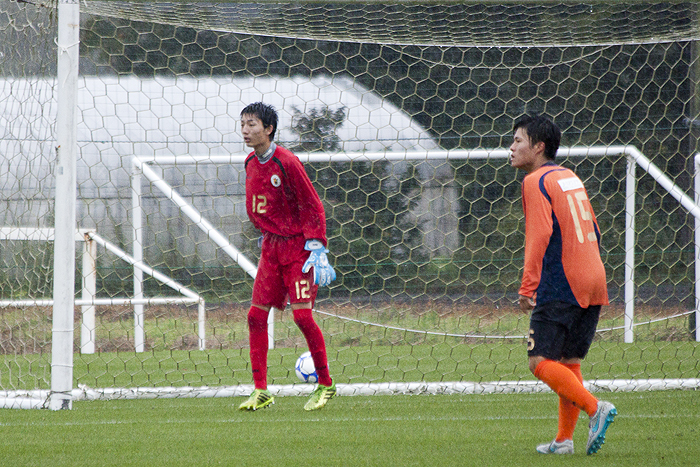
(302, 289)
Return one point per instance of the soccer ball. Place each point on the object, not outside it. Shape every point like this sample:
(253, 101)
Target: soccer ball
(305, 369)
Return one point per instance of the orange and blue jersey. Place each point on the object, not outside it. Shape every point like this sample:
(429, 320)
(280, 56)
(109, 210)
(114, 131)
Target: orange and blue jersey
(562, 240)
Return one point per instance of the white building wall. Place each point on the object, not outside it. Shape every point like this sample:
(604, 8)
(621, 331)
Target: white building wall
(125, 116)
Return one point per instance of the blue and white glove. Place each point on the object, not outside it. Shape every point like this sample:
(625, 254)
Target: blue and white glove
(324, 273)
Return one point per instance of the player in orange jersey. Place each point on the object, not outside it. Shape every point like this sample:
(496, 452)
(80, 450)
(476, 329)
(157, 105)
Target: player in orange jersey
(282, 203)
(564, 284)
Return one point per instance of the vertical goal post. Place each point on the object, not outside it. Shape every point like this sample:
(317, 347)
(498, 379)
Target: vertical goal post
(695, 324)
(65, 217)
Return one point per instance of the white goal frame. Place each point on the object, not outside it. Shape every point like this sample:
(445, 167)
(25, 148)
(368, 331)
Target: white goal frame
(61, 394)
(40, 398)
(634, 158)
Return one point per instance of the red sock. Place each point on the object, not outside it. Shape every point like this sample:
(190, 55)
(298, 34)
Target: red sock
(563, 381)
(257, 332)
(568, 412)
(317, 346)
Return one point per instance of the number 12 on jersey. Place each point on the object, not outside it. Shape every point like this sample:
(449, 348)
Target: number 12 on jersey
(259, 204)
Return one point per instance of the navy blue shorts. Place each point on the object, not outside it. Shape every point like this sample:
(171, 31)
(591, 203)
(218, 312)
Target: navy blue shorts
(561, 330)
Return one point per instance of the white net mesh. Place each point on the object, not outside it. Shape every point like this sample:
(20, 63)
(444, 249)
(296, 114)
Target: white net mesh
(446, 23)
(428, 245)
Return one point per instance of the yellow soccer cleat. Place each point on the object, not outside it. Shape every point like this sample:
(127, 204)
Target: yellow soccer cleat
(320, 397)
(259, 399)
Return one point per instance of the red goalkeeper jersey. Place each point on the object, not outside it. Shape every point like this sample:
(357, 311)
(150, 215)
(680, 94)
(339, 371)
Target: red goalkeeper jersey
(562, 240)
(280, 198)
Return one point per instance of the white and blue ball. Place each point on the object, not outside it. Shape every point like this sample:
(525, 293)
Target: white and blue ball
(305, 369)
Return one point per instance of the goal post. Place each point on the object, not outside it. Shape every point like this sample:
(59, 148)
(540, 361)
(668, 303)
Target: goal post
(392, 107)
(694, 323)
(65, 218)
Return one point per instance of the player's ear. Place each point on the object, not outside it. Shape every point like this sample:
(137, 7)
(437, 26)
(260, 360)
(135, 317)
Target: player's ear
(539, 147)
(269, 129)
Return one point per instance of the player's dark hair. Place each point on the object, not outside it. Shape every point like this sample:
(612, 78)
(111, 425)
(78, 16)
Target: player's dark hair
(540, 128)
(265, 112)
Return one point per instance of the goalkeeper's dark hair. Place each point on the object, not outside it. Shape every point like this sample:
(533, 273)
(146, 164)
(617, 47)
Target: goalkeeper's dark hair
(540, 128)
(265, 112)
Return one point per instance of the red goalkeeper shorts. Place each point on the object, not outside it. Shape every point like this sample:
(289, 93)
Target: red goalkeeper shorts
(279, 277)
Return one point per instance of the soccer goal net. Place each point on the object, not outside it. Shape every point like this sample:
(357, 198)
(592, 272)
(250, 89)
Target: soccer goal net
(402, 114)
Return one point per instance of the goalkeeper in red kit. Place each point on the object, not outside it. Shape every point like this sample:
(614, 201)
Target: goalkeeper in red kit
(282, 203)
(564, 283)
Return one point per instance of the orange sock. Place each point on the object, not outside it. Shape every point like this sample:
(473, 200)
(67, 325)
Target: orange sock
(565, 383)
(568, 412)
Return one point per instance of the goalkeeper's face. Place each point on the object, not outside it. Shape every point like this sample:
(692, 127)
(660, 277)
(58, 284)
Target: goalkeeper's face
(255, 134)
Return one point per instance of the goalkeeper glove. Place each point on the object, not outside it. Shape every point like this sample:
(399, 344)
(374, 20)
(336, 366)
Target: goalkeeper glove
(324, 273)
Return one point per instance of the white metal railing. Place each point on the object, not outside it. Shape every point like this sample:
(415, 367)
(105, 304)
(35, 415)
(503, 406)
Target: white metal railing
(89, 301)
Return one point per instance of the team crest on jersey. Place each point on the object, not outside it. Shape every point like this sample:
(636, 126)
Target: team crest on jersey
(276, 180)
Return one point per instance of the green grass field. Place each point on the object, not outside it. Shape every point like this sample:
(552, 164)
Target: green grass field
(652, 429)
(447, 361)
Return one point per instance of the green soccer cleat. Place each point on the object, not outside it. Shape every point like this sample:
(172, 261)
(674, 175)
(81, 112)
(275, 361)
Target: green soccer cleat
(320, 397)
(603, 417)
(259, 399)
(565, 447)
